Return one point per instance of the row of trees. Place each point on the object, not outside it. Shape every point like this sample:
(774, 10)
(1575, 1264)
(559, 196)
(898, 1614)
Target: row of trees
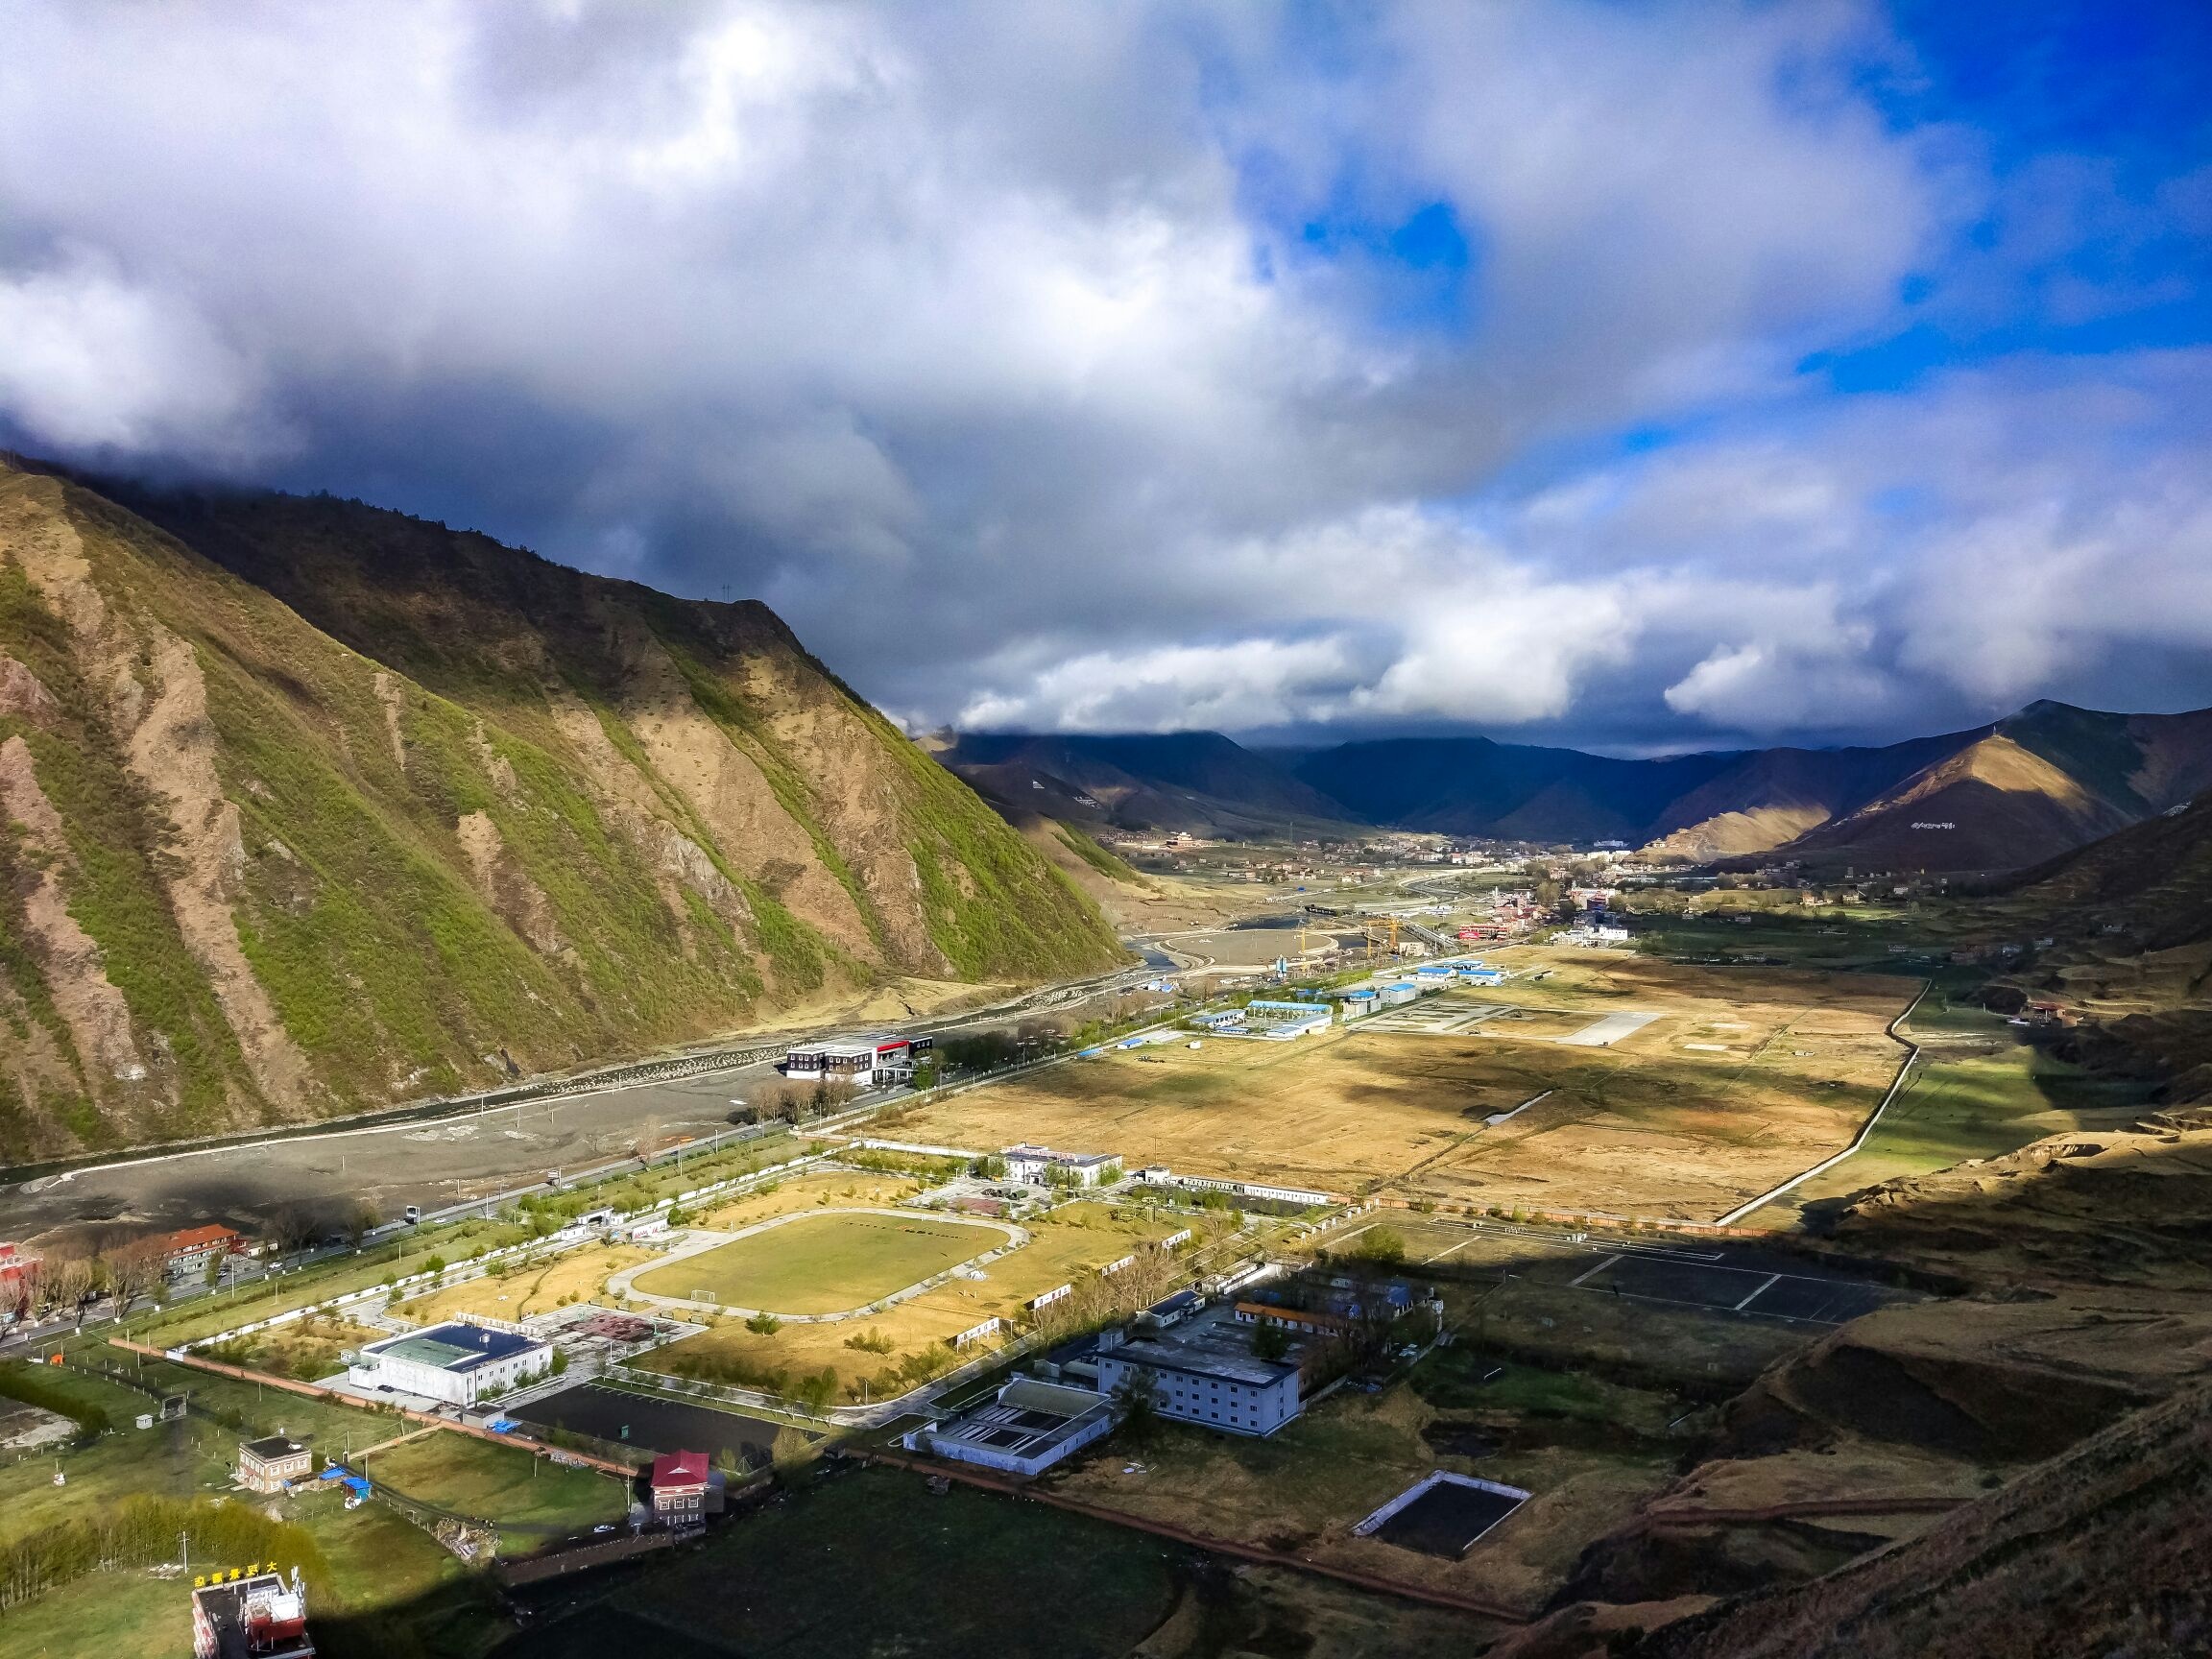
(70, 1278)
(793, 1101)
(143, 1531)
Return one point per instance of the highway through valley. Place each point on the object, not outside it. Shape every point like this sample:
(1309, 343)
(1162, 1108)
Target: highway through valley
(436, 1161)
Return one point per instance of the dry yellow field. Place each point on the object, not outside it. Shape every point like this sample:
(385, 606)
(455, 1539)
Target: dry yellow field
(575, 1276)
(1747, 1076)
(823, 1189)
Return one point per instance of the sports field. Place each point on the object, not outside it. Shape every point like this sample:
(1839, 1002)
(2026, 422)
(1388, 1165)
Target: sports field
(1744, 1077)
(824, 1263)
(1065, 1248)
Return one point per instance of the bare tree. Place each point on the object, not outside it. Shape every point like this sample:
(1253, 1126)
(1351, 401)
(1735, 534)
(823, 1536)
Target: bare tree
(291, 1227)
(135, 1269)
(68, 1282)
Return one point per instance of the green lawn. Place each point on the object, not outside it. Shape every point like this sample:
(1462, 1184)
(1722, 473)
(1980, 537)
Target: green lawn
(1976, 1106)
(106, 1613)
(873, 1562)
(531, 1499)
(823, 1263)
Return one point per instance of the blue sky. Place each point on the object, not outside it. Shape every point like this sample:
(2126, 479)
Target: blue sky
(1646, 376)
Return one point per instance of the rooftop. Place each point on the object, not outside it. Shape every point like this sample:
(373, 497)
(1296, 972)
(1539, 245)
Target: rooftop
(1215, 1346)
(680, 1469)
(270, 1447)
(193, 1238)
(454, 1347)
(1027, 1418)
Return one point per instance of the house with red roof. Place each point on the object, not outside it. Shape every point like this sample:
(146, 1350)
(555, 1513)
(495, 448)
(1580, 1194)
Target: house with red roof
(680, 1481)
(192, 1248)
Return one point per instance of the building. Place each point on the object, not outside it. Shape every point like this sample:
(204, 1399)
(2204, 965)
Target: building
(1034, 1166)
(1285, 1019)
(1298, 1321)
(459, 1363)
(270, 1463)
(1203, 1371)
(258, 1616)
(678, 1482)
(1030, 1426)
(1358, 1004)
(192, 1249)
(865, 1061)
(1404, 991)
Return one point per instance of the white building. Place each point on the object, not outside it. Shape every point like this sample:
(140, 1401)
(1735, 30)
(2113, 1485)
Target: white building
(1285, 1019)
(1026, 1429)
(1033, 1166)
(458, 1363)
(1204, 1373)
(874, 1058)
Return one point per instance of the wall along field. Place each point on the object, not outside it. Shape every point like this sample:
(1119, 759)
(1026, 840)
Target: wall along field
(1744, 1077)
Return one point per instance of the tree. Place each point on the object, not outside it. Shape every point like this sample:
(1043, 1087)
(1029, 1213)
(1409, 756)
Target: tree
(791, 1454)
(135, 1269)
(1270, 1342)
(763, 1324)
(1385, 1246)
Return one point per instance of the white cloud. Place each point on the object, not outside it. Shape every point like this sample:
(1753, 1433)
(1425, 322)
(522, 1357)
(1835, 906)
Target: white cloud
(89, 363)
(1000, 323)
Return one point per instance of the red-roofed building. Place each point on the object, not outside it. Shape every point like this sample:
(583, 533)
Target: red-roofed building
(194, 1247)
(680, 1488)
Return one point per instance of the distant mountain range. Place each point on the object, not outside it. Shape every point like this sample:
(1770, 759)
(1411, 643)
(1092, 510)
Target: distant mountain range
(2022, 791)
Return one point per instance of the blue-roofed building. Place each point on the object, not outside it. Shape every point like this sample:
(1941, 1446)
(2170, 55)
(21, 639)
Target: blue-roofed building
(459, 1363)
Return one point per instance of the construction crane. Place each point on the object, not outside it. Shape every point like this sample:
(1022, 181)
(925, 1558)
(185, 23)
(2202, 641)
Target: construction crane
(1388, 927)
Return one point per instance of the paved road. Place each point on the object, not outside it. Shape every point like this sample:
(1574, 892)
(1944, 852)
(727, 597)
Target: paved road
(431, 1163)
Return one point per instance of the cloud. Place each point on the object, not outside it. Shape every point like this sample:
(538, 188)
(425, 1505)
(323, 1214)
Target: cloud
(1090, 353)
(90, 363)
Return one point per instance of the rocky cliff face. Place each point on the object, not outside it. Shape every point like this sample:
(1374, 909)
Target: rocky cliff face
(312, 807)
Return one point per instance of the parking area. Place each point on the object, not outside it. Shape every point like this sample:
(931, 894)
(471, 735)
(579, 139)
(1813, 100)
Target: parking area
(627, 1419)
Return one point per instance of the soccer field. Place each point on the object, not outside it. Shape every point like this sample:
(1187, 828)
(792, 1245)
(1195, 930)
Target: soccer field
(824, 1263)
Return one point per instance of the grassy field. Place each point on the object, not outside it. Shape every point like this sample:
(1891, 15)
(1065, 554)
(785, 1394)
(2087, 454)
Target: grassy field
(873, 1562)
(106, 1613)
(1981, 1092)
(532, 1500)
(1075, 1239)
(823, 1263)
(1305, 1487)
(1747, 1076)
(816, 1189)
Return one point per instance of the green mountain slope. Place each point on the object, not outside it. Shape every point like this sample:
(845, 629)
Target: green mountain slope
(312, 807)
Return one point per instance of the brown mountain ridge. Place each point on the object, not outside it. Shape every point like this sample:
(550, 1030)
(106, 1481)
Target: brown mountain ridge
(313, 807)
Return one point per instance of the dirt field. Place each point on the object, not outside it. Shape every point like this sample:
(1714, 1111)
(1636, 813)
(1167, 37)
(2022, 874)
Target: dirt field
(537, 1289)
(1788, 1065)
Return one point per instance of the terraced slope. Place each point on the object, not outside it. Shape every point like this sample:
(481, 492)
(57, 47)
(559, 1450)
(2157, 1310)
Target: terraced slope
(312, 807)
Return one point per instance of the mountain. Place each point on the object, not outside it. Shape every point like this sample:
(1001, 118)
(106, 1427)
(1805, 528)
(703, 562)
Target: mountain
(314, 807)
(1191, 780)
(2000, 797)
(1475, 786)
(2148, 884)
